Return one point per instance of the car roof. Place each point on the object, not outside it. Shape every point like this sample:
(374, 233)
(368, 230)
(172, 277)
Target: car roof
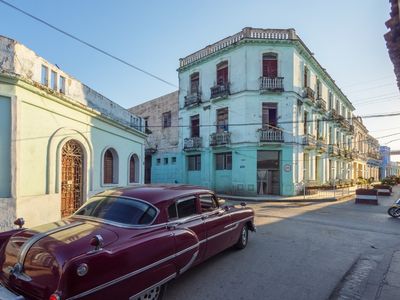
(155, 194)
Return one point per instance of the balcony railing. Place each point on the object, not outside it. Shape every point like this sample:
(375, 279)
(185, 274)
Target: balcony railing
(309, 141)
(271, 84)
(271, 135)
(220, 91)
(309, 94)
(321, 104)
(193, 98)
(321, 146)
(333, 150)
(193, 143)
(220, 138)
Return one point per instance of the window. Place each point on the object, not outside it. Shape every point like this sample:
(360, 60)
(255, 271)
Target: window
(223, 161)
(305, 125)
(53, 80)
(165, 160)
(330, 101)
(270, 65)
(186, 208)
(133, 169)
(222, 120)
(158, 161)
(305, 77)
(173, 160)
(110, 166)
(121, 210)
(195, 126)
(269, 115)
(318, 89)
(194, 162)
(61, 84)
(222, 73)
(207, 203)
(194, 83)
(166, 119)
(45, 76)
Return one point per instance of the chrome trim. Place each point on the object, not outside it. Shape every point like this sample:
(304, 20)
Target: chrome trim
(189, 264)
(123, 225)
(131, 274)
(128, 275)
(165, 280)
(34, 239)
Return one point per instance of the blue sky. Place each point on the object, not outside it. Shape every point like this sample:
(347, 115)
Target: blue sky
(346, 37)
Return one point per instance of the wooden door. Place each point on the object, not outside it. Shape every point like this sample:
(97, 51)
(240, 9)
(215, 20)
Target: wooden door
(71, 178)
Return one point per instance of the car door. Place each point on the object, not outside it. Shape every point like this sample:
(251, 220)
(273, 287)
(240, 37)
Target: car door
(217, 224)
(184, 218)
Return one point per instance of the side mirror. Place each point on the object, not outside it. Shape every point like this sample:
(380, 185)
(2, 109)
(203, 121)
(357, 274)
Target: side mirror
(97, 242)
(221, 202)
(19, 222)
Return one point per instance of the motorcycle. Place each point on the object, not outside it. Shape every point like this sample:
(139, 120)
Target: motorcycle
(394, 210)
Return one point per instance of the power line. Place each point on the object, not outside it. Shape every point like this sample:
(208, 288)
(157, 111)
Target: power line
(363, 82)
(89, 44)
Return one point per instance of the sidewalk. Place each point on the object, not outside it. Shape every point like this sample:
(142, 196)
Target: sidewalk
(390, 286)
(320, 196)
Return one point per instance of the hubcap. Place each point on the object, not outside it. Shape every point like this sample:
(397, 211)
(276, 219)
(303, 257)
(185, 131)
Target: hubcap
(152, 294)
(244, 236)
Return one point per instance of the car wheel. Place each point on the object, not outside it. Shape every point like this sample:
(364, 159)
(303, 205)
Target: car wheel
(155, 293)
(394, 212)
(243, 238)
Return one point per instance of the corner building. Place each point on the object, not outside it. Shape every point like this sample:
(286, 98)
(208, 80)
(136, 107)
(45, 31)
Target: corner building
(259, 115)
(61, 141)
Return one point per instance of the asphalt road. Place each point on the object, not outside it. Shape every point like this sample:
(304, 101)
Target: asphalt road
(300, 251)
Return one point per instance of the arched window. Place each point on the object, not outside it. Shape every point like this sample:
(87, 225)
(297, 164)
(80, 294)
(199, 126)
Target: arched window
(133, 169)
(270, 65)
(110, 166)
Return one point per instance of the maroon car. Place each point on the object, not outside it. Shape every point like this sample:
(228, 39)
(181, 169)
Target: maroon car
(122, 244)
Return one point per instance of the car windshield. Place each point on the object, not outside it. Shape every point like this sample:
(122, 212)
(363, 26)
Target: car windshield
(120, 210)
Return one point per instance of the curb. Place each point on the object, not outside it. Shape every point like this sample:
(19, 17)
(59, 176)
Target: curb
(263, 200)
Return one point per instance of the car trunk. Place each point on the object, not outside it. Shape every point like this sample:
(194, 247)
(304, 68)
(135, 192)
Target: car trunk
(52, 245)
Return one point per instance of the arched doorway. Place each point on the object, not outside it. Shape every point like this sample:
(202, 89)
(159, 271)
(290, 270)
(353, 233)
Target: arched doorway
(71, 177)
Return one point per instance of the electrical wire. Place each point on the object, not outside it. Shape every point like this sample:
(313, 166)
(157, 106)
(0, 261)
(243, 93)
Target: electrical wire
(89, 44)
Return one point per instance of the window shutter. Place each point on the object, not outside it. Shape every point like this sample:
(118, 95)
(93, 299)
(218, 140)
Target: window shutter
(132, 170)
(108, 167)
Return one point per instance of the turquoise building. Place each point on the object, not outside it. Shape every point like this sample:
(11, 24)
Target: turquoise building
(259, 115)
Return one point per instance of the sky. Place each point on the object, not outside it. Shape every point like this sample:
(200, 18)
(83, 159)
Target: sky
(345, 36)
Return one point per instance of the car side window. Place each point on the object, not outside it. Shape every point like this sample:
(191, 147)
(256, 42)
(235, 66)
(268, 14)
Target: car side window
(186, 207)
(207, 203)
(172, 213)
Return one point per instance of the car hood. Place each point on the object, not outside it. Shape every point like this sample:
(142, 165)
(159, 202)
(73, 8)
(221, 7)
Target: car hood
(33, 259)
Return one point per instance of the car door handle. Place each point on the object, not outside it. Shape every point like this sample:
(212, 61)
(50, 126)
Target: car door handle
(205, 217)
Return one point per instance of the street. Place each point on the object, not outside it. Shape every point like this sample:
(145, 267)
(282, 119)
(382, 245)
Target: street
(300, 251)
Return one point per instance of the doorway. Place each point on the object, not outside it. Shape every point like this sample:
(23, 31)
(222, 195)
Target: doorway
(71, 177)
(268, 173)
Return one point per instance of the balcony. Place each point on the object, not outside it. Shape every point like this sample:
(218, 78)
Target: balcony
(220, 138)
(271, 84)
(192, 144)
(321, 104)
(373, 155)
(309, 95)
(271, 135)
(193, 99)
(309, 141)
(333, 150)
(321, 146)
(220, 91)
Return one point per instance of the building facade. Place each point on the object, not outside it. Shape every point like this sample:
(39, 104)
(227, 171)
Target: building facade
(61, 141)
(392, 37)
(259, 115)
(163, 159)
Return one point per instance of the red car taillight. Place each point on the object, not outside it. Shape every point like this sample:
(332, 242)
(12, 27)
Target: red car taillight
(54, 297)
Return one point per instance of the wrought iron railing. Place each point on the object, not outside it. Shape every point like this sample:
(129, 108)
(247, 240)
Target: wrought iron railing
(220, 91)
(309, 140)
(220, 138)
(308, 93)
(193, 98)
(192, 143)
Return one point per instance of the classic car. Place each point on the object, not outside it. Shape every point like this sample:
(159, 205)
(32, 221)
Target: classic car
(125, 243)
